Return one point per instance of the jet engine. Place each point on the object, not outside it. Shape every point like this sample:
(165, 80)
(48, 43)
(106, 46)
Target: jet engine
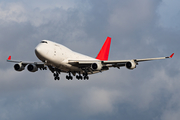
(131, 64)
(32, 68)
(19, 67)
(96, 66)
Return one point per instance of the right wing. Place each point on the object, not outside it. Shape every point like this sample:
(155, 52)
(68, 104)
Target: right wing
(20, 65)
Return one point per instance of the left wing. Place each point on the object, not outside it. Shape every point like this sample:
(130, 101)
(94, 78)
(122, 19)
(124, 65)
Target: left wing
(136, 60)
(95, 65)
(131, 64)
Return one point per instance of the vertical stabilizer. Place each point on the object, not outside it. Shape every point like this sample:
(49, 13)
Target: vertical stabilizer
(104, 52)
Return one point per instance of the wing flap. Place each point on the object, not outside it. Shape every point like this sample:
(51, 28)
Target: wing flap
(115, 61)
(82, 61)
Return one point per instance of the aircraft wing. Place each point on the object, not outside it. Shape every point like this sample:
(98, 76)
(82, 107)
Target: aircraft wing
(120, 63)
(24, 63)
(136, 60)
(111, 63)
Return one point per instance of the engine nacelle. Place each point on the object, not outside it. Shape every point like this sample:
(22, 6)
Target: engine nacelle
(96, 66)
(19, 67)
(131, 65)
(32, 68)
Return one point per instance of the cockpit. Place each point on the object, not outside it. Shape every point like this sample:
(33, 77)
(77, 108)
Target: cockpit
(44, 42)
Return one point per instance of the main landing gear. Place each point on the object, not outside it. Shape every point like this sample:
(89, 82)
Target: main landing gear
(79, 76)
(69, 77)
(56, 76)
(85, 76)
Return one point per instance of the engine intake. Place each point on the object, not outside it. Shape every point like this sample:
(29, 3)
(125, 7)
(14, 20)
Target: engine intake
(96, 66)
(131, 65)
(32, 68)
(19, 67)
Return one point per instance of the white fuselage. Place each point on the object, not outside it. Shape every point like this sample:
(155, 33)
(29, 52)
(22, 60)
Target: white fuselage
(58, 55)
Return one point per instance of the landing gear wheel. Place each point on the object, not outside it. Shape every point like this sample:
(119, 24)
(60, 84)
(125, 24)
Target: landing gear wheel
(79, 77)
(69, 77)
(56, 76)
(86, 77)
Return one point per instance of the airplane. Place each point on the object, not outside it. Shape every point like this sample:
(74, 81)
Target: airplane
(59, 58)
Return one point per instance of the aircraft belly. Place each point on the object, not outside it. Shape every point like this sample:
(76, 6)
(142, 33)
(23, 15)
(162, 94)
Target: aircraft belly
(64, 66)
(69, 68)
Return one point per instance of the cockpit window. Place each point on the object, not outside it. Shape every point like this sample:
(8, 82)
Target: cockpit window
(43, 41)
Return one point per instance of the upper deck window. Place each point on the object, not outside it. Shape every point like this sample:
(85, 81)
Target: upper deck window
(43, 41)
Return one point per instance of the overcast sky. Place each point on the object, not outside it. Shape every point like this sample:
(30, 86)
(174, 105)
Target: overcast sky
(139, 29)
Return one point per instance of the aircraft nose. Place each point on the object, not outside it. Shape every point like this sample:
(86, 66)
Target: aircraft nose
(39, 51)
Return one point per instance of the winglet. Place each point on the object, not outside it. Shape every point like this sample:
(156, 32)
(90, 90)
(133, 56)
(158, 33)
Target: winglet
(9, 58)
(171, 55)
(104, 52)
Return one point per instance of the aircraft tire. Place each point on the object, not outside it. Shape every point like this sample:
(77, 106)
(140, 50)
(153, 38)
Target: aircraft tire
(54, 74)
(67, 77)
(86, 77)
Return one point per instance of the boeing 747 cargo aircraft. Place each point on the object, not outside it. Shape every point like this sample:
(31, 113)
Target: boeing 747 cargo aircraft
(60, 59)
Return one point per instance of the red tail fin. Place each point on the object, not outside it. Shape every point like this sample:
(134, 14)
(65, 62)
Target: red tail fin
(104, 52)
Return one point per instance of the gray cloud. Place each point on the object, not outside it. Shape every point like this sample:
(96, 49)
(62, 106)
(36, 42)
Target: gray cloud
(149, 92)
